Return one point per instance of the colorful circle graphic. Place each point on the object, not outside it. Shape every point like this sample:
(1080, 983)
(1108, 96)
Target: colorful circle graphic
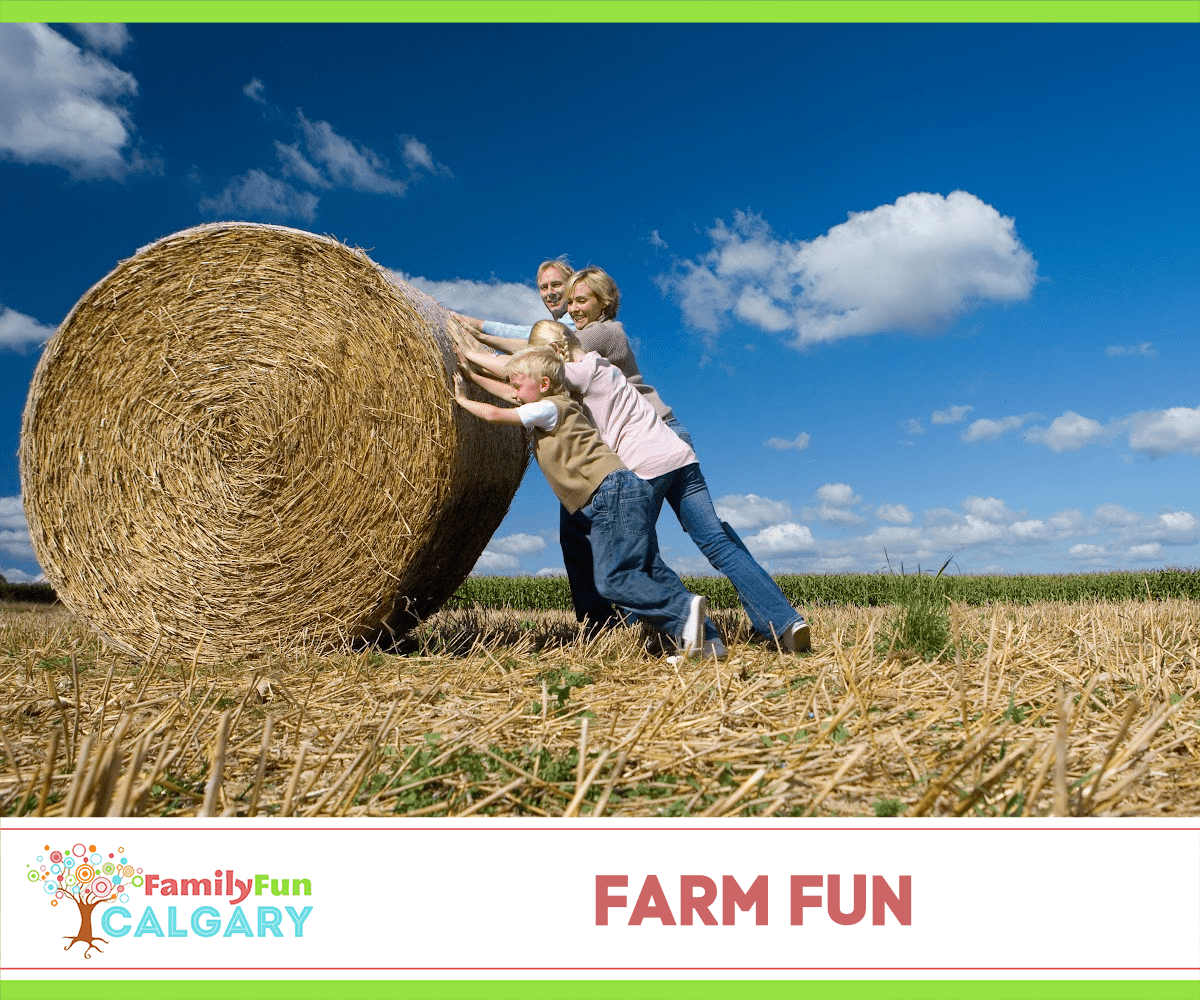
(79, 850)
(102, 887)
(124, 897)
(85, 873)
(33, 875)
(108, 868)
(127, 871)
(136, 880)
(51, 888)
(56, 856)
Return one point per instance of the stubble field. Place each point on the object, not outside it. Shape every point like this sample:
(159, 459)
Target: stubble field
(1053, 708)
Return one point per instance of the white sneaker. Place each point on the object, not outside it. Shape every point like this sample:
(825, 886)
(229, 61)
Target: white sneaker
(796, 638)
(691, 641)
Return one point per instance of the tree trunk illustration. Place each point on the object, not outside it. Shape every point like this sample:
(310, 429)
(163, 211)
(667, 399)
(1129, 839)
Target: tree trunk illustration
(84, 934)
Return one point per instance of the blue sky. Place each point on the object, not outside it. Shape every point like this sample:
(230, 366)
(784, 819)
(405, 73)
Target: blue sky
(922, 289)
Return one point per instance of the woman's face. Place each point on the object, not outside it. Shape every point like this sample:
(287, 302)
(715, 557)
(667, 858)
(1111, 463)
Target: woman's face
(584, 307)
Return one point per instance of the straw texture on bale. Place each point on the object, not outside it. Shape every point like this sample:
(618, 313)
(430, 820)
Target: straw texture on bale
(245, 436)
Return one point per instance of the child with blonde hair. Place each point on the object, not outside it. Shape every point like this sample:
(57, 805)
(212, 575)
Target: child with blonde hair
(630, 425)
(604, 500)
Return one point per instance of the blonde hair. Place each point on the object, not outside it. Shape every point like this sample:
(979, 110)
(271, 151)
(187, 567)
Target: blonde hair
(539, 363)
(565, 269)
(548, 333)
(602, 286)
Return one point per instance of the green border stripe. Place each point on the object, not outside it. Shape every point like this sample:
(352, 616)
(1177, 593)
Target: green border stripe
(694, 11)
(596, 990)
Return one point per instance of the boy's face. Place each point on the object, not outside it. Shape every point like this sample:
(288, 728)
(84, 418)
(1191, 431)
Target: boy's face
(528, 389)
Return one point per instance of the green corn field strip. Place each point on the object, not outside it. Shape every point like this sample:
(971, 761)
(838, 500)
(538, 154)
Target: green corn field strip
(864, 589)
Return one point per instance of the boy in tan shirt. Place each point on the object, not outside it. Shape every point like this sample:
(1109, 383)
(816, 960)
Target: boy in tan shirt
(602, 497)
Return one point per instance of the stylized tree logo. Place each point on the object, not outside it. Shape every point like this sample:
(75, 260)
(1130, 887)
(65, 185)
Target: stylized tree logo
(87, 878)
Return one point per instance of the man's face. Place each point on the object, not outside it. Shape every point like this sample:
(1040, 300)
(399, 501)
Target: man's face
(550, 288)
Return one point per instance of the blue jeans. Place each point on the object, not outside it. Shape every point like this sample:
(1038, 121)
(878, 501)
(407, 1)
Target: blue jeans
(616, 528)
(687, 493)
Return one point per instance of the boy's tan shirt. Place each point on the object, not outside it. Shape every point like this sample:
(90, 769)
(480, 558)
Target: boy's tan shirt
(572, 457)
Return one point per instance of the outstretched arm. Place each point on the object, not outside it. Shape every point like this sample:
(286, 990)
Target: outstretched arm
(509, 345)
(484, 411)
(497, 342)
(501, 390)
(498, 386)
(493, 364)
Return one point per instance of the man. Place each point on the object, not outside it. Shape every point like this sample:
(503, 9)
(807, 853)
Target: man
(552, 278)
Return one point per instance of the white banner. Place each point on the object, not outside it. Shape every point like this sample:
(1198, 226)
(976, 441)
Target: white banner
(559, 899)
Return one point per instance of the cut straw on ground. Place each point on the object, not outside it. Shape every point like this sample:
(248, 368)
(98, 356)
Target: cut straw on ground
(1073, 709)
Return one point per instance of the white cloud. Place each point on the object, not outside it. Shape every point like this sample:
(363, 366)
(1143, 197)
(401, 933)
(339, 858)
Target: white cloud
(912, 426)
(551, 571)
(346, 162)
(952, 415)
(781, 539)
(61, 106)
(112, 39)
(258, 195)
(518, 545)
(655, 240)
(986, 429)
(1142, 350)
(988, 509)
(1166, 432)
(751, 511)
(837, 499)
(896, 513)
(14, 532)
(20, 576)
(984, 534)
(915, 265)
(495, 562)
(255, 90)
(838, 494)
(503, 301)
(1179, 528)
(12, 514)
(1070, 432)
(799, 443)
(417, 157)
(295, 165)
(1113, 514)
(1155, 432)
(18, 331)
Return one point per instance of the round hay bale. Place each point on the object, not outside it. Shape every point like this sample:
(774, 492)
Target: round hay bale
(245, 436)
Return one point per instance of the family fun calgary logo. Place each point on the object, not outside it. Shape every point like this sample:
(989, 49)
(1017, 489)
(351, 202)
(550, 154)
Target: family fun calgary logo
(84, 876)
(90, 878)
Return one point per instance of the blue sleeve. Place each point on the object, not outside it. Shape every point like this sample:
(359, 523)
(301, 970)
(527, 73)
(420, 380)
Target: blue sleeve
(506, 330)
